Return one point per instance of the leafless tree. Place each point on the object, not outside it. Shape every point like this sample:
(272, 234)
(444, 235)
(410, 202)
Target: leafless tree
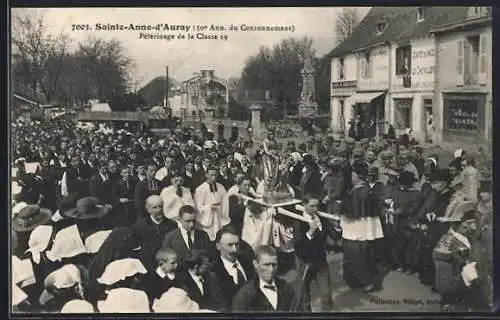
(347, 20)
(37, 54)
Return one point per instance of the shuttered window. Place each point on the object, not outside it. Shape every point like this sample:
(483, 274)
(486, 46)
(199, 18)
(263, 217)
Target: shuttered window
(483, 56)
(460, 62)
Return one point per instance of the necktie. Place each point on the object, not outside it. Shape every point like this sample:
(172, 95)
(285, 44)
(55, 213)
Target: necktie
(190, 239)
(270, 287)
(127, 185)
(239, 275)
(179, 191)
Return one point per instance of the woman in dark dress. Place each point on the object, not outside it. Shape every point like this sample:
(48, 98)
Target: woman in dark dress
(122, 243)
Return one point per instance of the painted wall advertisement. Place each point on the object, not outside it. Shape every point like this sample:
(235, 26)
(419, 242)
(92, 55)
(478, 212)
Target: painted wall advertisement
(422, 70)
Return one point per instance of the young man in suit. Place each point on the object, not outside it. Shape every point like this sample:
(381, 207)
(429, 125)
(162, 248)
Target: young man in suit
(200, 283)
(232, 269)
(266, 292)
(187, 237)
(123, 197)
(100, 184)
(310, 247)
(148, 187)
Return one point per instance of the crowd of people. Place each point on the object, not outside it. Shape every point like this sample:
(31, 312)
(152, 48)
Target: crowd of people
(117, 221)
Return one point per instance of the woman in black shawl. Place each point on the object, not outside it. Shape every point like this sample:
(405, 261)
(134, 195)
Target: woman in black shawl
(122, 243)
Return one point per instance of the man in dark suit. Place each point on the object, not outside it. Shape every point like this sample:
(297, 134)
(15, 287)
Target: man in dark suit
(144, 189)
(310, 181)
(75, 179)
(310, 244)
(186, 237)
(266, 292)
(153, 229)
(201, 285)
(100, 184)
(123, 197)
(200, 175)
(232, 269)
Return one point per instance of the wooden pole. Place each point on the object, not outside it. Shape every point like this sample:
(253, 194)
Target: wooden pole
(321, 214)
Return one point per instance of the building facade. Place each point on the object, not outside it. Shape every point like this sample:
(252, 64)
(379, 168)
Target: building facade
(203, 93)
(400, 66)
(464, 79)
(360, 81)
(344, 84)
(412, 85)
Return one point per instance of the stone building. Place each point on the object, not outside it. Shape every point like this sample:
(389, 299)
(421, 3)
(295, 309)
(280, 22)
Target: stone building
(464, 79)
(204, 93)
(386, 71)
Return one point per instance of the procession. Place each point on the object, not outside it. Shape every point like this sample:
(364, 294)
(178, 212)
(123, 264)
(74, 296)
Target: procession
(213, 215)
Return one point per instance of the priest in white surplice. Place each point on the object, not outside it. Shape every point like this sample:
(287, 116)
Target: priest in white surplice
(175, 196)
(208, 198)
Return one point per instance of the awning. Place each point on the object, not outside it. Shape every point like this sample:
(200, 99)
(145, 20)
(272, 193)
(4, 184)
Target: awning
(365, 97)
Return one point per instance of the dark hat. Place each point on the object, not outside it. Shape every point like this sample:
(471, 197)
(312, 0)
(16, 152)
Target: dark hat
(87, 208)
(30, 217)
(407, 178)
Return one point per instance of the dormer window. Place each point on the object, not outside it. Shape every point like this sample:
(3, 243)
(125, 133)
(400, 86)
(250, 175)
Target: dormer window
(381, 27)
(420, 16)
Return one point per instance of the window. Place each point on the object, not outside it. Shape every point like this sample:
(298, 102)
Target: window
(471, 60)
(420, 16)
(462, 115)
(381, 27)
(366, 65)
(402, 108)
(340, 69)
(403, 60)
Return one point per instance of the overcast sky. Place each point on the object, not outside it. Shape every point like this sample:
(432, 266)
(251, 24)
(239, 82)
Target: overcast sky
(185, 57)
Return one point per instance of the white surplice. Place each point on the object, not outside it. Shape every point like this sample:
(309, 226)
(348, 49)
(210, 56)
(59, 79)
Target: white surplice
(172, 202)
(211, 220)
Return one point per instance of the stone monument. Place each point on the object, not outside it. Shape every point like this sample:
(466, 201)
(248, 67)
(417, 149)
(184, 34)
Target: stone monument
(308, 106)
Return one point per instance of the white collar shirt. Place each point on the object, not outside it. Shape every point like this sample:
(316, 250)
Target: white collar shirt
(228, 265)
(162, 274)
(271, 295)
(184, 234)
